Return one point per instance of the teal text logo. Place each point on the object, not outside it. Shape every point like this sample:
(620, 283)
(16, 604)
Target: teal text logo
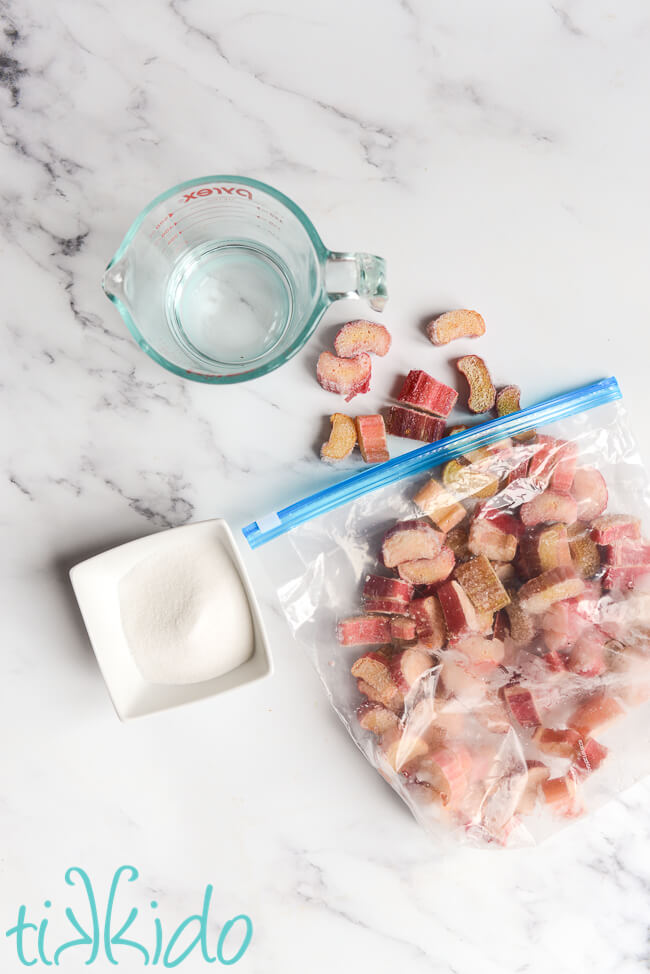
(122, 933)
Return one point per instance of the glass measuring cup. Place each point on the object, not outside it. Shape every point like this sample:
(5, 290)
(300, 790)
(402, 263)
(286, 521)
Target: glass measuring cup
(223, 279)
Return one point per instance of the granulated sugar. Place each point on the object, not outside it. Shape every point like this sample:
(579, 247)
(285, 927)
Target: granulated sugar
(185, 613)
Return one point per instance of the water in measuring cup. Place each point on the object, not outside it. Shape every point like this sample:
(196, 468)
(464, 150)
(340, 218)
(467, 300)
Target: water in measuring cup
(229, 304)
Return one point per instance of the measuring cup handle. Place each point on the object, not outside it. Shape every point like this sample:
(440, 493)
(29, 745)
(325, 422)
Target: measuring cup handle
(350, 275)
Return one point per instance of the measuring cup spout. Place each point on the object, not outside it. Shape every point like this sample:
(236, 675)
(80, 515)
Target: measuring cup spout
(114, 280)
(361, 275)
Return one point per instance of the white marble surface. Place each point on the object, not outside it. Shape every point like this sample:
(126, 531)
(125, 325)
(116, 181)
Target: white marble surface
(497, 155)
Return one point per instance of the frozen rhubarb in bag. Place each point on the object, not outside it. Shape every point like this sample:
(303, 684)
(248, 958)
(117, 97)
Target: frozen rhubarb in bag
(488, 651)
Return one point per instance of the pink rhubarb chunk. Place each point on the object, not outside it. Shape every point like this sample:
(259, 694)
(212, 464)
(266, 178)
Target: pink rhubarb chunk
(371, 434)
(547, 507)
(347, 376)
(414, 425)
(380, 587)
(610, 528)
(428, 571)
(408, 540)
(363, 631)
(590, 492)
(521, 705)
(424, 392)
(460, 617)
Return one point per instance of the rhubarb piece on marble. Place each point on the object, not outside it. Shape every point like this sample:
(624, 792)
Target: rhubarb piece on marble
(485, 538)
(452, 325)
(376, 718)
(482, 394)
(537, 774)
(549, 506)
(458, 611)
(422, 391)
(596, 712)
(521, 704)
(429, 621)
(428, 571)
(343, 437)
(362, 336)
(408, 540)
(610, 528)
(402, 630)
(480, 582)
(381, 587)
(363, 631)
(413, 425)
(346, 376)
(589, 490)
(562, 743)
(481, 651)
(544, 548)
(558, 584)
(508, 400)
(371, 433)
(441, 506)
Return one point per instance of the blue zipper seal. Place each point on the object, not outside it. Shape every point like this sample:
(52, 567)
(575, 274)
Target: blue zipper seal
(580, 400)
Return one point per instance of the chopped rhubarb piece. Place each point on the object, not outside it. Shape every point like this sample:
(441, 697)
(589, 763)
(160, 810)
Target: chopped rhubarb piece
(362, 336)
(596, 712)
(627, 552)
(429, 621)
(377, 719)
(501, 628)
(347, 376)
(391, 607)
(373, 669)
(371, 432)
(363, 631)
(552, 586)
(591, 755)
(342, 439)
(585, 556)
(402, 630)
(624, 578)
(401, 747)
(501, 519)
(549, 506)
(610, 528)
(413, 425)
(407, 667)
(480, 650)
(455, 324)
(380, 587)
(508, 400)
(521, 704)
(457, 540)
(554, 661)
(424, 392)
(444, 771)
(564, 470)
(493, 716)
(559, 791)
(408, 540)
(482, 394)
(461, 682)
(522, 625)
(469, 480)
(389, 697)
(438, 504)
(588, 654)
(504, 571)
(562, 623)
(480, 582)
(590, 492)
(562, 743)
(543, 460)
(428, 571)
(460, 617)
(538, 773)
(545, 548)
(485, 538)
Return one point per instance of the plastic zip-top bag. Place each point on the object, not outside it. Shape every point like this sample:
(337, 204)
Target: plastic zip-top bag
(479, 612)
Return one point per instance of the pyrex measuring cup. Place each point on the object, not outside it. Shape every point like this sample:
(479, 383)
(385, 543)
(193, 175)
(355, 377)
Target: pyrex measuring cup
(222, 279)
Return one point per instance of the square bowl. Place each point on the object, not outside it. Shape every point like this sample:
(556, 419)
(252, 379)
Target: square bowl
(96, 587)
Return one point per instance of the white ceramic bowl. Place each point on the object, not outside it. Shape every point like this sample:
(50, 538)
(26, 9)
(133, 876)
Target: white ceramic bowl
(96, 581)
